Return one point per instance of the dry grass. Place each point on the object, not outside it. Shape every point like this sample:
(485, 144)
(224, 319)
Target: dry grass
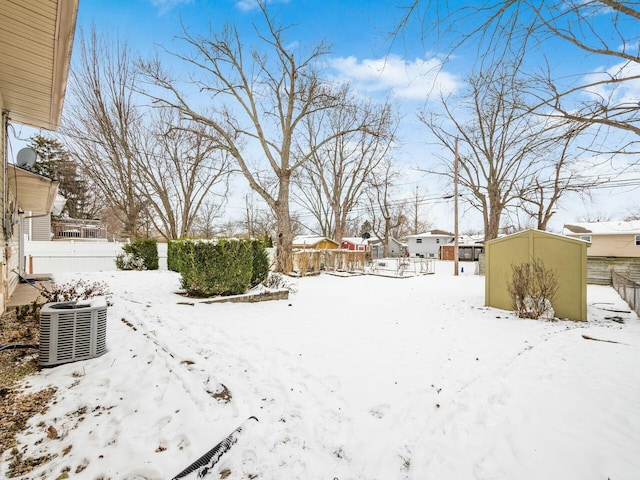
(17, 407)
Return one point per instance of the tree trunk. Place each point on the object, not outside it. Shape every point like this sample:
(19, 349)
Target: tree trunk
(284, 237)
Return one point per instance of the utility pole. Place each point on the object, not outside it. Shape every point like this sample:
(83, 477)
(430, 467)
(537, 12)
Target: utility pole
(455, 210)
(415, 218)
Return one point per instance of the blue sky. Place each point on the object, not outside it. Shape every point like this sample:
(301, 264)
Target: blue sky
(362, 52)
(358, 32)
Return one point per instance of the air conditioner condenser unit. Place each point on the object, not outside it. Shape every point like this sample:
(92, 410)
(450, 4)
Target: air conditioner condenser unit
(72, 331)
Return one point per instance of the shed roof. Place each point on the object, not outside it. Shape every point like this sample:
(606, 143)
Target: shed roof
(604, 228)
(559, 236)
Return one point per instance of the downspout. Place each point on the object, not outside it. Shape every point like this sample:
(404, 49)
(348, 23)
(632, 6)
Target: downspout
(5, 171)
(4, 276)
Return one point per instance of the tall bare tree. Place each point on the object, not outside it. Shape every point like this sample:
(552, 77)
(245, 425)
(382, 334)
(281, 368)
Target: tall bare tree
(333, 180)
(501, 145)
(562, 173)
(179, 170)
(103, 124)
(258, 101)
(604, 30)
(385, 214)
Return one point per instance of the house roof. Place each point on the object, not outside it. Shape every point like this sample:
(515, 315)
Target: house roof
(356, 240)
(36, 37)
(310, 240)
(603, 228)
(432, 233)
(34, 193)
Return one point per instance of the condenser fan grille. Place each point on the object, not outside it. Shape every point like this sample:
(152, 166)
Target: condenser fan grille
(70, 332)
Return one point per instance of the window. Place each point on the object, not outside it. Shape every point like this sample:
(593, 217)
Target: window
(637, 240)
(418, 240)
(586, 238)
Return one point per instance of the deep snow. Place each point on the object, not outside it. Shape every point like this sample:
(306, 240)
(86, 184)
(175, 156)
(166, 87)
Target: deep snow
(351, 378)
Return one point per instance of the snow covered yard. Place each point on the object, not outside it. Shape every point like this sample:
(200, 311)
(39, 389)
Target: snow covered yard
(351, 378)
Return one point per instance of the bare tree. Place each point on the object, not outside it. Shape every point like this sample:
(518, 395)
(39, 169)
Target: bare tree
(386, 215)
(417, 218)
(605, 30)
(561, 174)
(179, 170)
(334, 178)
(311, 196)
(500, 144)
(102, 124)
(259, 99)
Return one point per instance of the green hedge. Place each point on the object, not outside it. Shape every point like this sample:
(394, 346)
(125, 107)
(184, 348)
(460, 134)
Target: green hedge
(228, 267)
(175, 255)
(139, 255)
(260, 263)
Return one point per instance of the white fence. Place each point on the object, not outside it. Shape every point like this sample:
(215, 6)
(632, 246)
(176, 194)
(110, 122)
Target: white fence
(402, 267)
(77, 256)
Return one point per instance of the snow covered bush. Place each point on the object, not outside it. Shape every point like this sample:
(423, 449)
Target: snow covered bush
(533, 288)
(139, 255)
(129, 261)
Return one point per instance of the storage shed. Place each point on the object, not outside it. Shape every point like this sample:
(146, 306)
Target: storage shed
(566, 256)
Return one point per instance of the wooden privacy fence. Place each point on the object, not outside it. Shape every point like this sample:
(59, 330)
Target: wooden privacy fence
(627, 289)
(306, 262)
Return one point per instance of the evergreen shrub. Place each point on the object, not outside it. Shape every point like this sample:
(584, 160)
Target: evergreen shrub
(260, 263)
(139, 255)
(222, 268)
(176, 255)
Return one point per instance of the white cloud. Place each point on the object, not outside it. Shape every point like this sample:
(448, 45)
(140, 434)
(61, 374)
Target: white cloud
(413, 80)
(165, 6)
(627, 91)
(248, 5)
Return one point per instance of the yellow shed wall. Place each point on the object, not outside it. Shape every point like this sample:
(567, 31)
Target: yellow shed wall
(567, 257)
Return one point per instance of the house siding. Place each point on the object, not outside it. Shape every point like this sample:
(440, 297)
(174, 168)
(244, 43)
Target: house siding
(38, 228)
(429, 246)
(613, 246)
(4, 295)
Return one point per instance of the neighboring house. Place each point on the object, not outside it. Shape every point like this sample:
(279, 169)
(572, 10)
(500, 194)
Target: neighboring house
(427, 245)
(396, 248)
(356, 244)
(314, 242)
(35, 51)
(469, 250)
(608, 239)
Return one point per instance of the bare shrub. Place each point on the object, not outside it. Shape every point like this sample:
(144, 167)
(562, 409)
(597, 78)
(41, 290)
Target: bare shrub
(277, 281)
(533, 288)
(74, 291)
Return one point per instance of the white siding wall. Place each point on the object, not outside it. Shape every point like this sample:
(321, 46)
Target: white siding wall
(57, 257)
(429, 247)
(38, 228)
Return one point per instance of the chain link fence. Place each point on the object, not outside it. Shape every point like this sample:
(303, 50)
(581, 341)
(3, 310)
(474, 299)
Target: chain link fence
(628, 290)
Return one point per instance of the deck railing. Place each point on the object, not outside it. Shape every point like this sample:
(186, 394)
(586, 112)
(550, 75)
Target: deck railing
(78, 230)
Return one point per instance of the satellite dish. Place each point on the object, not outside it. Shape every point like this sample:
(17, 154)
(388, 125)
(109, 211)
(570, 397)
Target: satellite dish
(26, 157)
